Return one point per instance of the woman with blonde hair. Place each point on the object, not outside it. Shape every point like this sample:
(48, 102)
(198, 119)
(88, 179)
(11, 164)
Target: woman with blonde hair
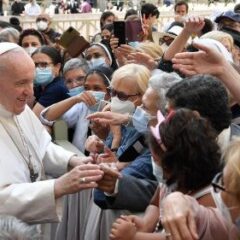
(129, 156)
(224, 38)
(151, 48)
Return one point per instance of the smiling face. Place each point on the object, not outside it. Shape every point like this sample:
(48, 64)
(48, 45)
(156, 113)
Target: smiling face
(16, 82)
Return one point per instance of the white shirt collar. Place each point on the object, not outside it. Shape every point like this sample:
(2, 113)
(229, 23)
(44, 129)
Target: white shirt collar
(5, 113)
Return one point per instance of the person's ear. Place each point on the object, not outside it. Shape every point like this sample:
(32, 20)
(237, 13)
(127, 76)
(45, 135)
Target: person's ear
(57, 68)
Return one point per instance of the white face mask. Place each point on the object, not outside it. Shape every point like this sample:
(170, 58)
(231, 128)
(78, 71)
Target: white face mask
(119, 106)
(30, 50)
(221, 206)
(42, 25)
(157, 171)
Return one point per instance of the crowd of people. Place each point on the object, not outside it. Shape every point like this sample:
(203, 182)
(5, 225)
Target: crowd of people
(155, 122)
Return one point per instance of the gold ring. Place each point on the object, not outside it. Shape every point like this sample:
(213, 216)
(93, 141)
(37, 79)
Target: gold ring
(82, 180)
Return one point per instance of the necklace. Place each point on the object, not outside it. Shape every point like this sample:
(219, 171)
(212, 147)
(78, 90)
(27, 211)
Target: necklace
(28, 159)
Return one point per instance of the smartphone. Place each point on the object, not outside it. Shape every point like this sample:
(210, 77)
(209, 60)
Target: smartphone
(68, 36)
(133, 31)
(119, 31)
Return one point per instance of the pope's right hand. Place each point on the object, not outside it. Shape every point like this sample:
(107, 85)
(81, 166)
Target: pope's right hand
(81, 177)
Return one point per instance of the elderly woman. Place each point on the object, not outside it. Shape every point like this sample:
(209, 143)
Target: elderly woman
(184, 218)
(135, 188)
(74, 72)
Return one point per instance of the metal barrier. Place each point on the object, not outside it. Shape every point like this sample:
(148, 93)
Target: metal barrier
(88, 24)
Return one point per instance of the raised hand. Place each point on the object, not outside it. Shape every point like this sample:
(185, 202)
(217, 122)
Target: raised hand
(205, 61)
(194, 24)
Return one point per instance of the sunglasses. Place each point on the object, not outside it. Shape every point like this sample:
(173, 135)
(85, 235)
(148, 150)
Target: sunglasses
(217, 183)
(122, 96)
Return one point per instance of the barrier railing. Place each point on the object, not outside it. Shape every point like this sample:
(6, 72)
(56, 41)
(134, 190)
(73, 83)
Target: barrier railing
(88, 24)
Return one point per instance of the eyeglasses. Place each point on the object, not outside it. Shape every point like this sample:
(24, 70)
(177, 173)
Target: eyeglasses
(78, 79)
(42, 65)
(122, 96)
(217, 183)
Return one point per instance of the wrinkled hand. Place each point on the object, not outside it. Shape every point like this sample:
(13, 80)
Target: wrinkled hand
(107, 157)
(94, 144)
(100, 129)
(87, 98)
(77, 160)
(123, 229)
(108, 182)
(205, 61)
(178, 217)
(193, 25)
(70, 182)
(142, 58)
(109, 118)
(122, 52)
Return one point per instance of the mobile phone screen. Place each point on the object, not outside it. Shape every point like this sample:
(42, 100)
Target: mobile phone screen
(119, 31)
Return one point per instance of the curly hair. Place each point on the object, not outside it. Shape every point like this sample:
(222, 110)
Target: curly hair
(192, 157)
(205, 94)
(32, 32)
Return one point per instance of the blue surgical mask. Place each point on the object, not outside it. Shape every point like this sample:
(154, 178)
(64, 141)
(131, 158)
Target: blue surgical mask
(43, 76)
(98, 96)
(96, 62)
(140, 120)
(75, 91)
(133, 44)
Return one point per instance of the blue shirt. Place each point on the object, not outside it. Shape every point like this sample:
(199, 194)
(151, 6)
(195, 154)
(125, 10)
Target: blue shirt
(54, 92)
(138, 170)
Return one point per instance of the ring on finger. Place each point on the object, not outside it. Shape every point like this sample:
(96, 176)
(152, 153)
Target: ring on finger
(168, 235)
(82, 180)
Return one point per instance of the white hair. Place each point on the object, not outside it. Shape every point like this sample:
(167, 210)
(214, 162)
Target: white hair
(161, 81)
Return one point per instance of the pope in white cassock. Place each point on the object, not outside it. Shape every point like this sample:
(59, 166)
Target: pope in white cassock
(27, 153)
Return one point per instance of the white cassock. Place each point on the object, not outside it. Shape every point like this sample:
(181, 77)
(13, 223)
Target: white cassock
(30, 202)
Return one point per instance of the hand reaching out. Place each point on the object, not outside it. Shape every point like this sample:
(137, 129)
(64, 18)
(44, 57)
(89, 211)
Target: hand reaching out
(205, 61)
